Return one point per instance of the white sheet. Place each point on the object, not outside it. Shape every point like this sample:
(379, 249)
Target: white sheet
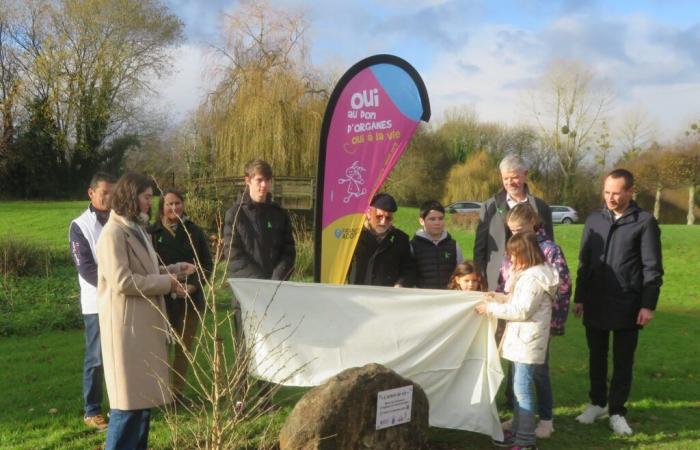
(309, 332)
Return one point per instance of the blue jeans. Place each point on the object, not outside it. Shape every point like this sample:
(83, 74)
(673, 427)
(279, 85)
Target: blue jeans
(92, 366)
(128, 430)
(543, 388)
(524, 410)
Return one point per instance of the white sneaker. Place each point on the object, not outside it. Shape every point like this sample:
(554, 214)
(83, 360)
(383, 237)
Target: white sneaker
(592, 413)
(544, 429)
(619, 425)
(507, 425)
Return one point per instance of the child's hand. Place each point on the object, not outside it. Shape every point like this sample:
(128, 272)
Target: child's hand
(480, 308)
(496, 297)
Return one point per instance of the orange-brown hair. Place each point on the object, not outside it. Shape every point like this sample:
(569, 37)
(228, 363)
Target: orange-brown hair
(526, 249)
(258, 167)
(466, 268)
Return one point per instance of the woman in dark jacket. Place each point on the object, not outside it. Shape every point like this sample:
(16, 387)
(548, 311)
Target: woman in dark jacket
(176, 238)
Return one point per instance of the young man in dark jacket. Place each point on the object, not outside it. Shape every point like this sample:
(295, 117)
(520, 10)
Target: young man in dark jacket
(617, 288)
(258, 241)
(383, 253)
(258, 237)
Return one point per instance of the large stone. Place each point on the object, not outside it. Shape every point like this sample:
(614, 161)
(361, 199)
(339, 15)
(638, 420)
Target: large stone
(341, 414)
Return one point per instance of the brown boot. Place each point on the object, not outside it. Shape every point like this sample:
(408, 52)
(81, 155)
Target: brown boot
(98, 422)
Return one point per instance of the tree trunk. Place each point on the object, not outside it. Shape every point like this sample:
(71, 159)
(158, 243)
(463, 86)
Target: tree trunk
(691, 204)
(657, 201)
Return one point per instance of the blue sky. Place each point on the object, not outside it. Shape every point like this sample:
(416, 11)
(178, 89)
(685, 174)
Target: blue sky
(487, 54)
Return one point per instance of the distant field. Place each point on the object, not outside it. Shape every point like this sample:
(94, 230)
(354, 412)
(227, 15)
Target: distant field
(41, 369)
(42, 222)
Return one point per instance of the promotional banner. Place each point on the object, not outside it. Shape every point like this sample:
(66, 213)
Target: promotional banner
(371, 116)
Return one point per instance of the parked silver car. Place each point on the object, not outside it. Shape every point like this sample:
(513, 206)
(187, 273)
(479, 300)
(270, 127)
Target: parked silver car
(563, 214)
(463, 206)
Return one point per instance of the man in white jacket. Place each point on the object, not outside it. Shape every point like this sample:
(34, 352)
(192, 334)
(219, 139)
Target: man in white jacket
(83, 235)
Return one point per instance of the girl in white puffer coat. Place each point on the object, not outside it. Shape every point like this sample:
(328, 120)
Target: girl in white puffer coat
(528, 311)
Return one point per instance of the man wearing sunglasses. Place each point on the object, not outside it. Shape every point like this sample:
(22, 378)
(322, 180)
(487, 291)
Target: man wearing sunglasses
(383, 253)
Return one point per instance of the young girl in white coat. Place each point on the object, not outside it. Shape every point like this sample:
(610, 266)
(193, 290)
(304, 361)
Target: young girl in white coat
(528, 311)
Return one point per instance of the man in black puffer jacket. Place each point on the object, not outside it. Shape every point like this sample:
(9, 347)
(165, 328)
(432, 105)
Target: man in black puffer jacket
(258, 238)
(383, 253)
(619, 279)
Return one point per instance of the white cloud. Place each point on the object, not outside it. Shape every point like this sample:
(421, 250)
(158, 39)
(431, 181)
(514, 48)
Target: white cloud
(182, 91)
(488, 65)
(493, 70)
(505, 58)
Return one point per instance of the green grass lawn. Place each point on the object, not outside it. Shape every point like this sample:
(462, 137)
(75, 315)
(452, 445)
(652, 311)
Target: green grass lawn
(44, 222)
(40, 372)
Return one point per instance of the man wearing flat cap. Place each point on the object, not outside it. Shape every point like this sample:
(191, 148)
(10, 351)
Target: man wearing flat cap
(383, 253)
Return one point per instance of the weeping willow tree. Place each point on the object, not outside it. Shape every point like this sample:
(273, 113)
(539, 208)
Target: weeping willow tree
(267, 104)
(477, 179)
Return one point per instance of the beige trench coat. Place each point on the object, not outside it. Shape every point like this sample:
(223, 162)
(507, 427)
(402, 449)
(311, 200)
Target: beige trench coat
(131, 311)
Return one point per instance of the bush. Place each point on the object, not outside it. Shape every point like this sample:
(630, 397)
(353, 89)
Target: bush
(467, 221)
(22, 258)
(204, 212)
(304, 263)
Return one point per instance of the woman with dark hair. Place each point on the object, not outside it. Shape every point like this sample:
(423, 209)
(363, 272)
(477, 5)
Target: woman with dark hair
(131, 308)
(177, 238)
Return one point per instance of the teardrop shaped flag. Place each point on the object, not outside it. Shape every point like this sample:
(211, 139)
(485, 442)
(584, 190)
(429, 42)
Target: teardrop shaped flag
(371, 116)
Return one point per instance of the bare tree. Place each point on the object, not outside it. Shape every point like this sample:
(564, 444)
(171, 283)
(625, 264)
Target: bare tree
(635, 133)
(690, 167)
(653, 172)
(568, 105)
(603, 145)
(10, 82)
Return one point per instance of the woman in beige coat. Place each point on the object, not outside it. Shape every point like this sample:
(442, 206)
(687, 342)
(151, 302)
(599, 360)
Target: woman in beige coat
(130, 288)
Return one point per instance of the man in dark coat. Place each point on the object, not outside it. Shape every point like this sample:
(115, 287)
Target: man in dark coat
(258, 236)
(617, 288)
(258, 242)
(383, 253)
(492, 232)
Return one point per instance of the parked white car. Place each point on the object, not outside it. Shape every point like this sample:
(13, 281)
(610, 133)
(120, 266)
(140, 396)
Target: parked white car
(463, 206)
(563, 214)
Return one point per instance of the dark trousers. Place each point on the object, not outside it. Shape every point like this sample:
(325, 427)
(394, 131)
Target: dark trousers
(624, 345)
(128, 430)
(92, 366)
